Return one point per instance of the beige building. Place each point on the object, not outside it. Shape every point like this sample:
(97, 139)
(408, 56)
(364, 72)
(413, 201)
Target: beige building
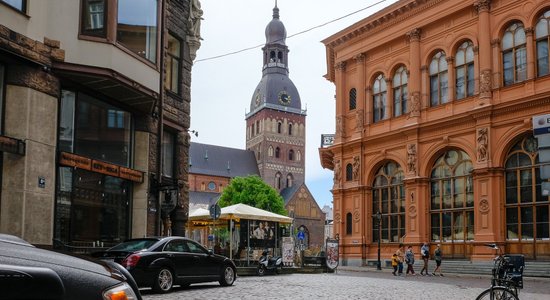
(95, 116)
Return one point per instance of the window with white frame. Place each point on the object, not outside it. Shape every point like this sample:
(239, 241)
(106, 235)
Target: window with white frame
(464, 70)
(438, 79)
(514, 54)
(542, 35)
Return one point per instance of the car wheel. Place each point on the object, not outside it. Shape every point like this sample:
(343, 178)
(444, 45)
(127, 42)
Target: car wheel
(164, 281)
(261, 270)
(228, 276)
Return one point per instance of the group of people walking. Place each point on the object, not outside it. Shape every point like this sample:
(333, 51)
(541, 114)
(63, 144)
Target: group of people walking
(401, 257)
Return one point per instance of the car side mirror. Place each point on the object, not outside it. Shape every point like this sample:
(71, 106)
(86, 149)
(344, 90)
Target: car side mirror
(210, 251)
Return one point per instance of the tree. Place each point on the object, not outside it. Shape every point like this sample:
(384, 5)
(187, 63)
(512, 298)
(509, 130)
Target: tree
(251, 190)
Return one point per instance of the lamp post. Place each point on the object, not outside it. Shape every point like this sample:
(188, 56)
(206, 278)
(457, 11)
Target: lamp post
(378, 218)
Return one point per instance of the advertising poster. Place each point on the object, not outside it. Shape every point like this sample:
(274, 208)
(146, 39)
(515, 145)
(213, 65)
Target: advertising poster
(288, 251)
(332, 253)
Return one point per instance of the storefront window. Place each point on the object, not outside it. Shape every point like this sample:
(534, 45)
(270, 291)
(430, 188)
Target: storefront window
(66, 121)
(91, 207)
(137, 27)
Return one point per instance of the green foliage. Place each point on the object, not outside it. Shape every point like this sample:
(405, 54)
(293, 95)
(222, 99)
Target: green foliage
(251, 190)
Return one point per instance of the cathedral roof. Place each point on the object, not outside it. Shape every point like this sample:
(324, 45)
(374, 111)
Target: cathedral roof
(275, 31)
(276, 91)
(220, 161)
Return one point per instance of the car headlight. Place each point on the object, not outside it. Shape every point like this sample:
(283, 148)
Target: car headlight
(120, 292)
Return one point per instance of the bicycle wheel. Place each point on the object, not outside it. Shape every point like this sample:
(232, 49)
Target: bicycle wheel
(498, 293)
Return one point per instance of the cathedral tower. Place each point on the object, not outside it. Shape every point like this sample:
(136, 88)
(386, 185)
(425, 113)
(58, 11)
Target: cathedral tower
(276, 123)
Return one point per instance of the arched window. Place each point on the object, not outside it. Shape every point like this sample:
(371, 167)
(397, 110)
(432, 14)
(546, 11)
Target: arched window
(352, 99)
(349, 224)
(253, 129)
(290, 129)
(388, 198)
(280, 57)
(299, 156)
(257, 127)
(452, 198)
(278, 180)
(277, 152)
(289, 180)
(349, 172)
(438, 79)
(400, 80)
(526, 208)
(514, 54)
(291, 154)
(379, 98)
(272, 56)
(464, 70)
(279, 127)
(270, 151)
(542, 34)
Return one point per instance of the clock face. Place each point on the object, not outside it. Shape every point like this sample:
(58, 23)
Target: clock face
(284, 98)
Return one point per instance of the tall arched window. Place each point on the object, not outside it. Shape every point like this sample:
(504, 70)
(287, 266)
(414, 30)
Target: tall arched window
(291, 154)
(278, 180)
(438, 79)
(542, 34)
(464, 70)
(280, 57)
(279, 127)
(388, 198)
(452, 198)
(514, 54)
(400, 80)
(299, 156)
(270, 151)
(352, 99)
(349, 172)
(277, 152)
(349, 224)
(379, 98)
(272, 56)
(290, 129)
(289, 180)
(526, 208)
(257, 127)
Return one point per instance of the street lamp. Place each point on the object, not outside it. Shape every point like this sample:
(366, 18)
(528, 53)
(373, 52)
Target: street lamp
(378, 218)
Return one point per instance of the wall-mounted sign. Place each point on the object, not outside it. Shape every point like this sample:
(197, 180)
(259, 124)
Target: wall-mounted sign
(81, 162)
(41, 182)
(11, 145)
(327, 140)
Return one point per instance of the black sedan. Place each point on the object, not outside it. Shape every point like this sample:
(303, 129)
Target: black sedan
(30, 273)
(162, 262)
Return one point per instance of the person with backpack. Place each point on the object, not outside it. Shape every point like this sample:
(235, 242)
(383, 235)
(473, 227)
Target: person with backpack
(425, 253)
(394, 263)
(409, 260)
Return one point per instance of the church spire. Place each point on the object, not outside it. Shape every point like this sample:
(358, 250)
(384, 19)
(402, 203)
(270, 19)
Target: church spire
(275, 11)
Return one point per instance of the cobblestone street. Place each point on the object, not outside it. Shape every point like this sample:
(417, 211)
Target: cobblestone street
(349, 285)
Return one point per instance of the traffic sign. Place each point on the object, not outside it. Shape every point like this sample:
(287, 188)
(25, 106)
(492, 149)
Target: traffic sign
(215, 211)
(301, 235)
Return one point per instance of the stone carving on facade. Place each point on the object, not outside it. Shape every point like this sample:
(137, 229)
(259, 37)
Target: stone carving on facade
(411, 158)
(414, 110)
(360, 57)
(414, 35)
(359, 120)
(412, 211)
(485, 83)
(337, 171)
(194, 28)
(356, 216)
(482, 5)
(482, 142)
(337, 217)
(356, 166)
(339, 126)
(340, 66)
(484, 206)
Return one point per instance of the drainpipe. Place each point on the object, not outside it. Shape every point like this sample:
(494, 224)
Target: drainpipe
(160, 118)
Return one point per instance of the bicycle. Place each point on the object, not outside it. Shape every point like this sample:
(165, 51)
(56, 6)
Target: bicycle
(507, 277)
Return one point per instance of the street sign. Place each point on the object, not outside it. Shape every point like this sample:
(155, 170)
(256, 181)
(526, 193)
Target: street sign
(541, 124)
(301, 236)
(215, 211)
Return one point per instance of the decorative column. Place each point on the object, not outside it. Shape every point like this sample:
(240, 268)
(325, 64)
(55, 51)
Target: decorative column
(360, 112)
(529, 32)
(450, 78)
(485, 62)
(340, 100)
(415, 75)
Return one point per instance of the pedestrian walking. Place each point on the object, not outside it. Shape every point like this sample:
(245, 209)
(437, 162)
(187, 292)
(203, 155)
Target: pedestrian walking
(425, 254)
(401, 258)
(438, 254)
(394, 263)
(409, 259)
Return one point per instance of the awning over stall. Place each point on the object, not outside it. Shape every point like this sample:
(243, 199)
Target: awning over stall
(240, 211)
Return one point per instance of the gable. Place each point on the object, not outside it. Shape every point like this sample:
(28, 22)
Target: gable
(303, 204)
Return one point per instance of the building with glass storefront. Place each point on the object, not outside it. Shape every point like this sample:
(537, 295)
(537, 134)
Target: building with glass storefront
(434, 108)
(94, 98)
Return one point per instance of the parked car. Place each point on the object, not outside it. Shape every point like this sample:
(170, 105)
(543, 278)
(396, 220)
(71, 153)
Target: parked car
(31, 273)
(162, 262)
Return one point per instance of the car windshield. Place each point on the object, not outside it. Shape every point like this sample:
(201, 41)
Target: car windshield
(134, 245)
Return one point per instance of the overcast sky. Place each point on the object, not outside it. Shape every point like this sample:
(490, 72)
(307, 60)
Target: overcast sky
(222, 88)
